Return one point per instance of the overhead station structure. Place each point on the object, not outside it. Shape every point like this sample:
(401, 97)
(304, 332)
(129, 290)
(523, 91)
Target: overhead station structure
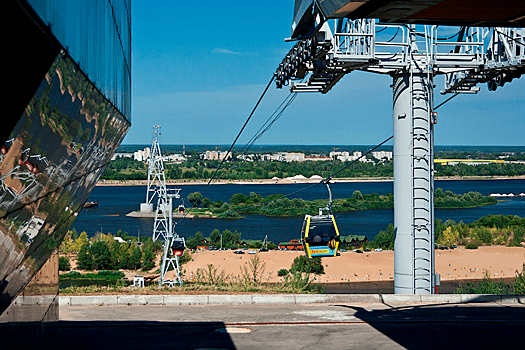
(331, 41)
(163, 225)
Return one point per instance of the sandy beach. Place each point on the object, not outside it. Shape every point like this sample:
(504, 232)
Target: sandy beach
(290, 181)
(456, 264)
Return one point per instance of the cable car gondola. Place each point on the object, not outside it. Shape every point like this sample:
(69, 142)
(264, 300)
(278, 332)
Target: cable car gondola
(178, 245)
(320, 235)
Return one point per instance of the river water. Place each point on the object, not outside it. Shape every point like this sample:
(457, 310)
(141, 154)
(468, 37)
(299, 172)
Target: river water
(114, 202)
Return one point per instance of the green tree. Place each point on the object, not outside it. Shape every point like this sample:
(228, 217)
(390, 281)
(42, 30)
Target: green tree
(230, 239)
(385, 239)
(195, 198)
(215, 238)
(357, 195)
(194, 241)
(135, 259)
(84, 258)
(449, 237)
(63, 264)
(238, 199)
(123, 255)
(519, 284)
(101, 255)
(148, 259)
(80, 241)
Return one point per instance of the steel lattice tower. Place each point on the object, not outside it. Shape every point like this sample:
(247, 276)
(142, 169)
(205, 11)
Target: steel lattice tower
(163, 226)
(156, 177)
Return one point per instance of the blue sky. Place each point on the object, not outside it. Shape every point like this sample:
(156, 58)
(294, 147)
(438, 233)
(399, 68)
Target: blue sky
(199, 68)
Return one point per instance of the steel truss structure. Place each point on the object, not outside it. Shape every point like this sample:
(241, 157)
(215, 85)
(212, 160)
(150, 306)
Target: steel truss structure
(156, 176)
(413, 56)
(163, 226)
(173, 248)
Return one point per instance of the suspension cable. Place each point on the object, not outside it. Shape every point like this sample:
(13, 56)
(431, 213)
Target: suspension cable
(269, 122)
(448, 99)
(231, 147)
(323, 181)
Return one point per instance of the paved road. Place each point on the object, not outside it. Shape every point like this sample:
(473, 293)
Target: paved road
(305, 326)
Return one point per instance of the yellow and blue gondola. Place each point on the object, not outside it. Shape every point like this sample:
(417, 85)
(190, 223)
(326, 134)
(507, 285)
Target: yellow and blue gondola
(320, 236)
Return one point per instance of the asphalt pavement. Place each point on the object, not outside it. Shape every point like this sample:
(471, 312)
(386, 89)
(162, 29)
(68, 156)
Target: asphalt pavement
(398, 325)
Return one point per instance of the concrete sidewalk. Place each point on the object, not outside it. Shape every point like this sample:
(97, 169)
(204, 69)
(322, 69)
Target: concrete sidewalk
(300, 326)
(65, 300)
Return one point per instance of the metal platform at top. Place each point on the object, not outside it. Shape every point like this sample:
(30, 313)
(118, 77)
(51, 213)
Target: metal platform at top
(474, 13)
(467, 56)
(413, 55)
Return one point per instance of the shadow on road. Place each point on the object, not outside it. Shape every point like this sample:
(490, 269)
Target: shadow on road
(448, 326)
(113, 335)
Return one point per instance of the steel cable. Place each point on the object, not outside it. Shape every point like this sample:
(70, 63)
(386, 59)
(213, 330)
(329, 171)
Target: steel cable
(231, 147)
(323, 181)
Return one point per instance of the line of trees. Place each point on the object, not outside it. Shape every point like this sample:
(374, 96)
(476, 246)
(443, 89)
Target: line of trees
(497, 169)
(103, 252)
(129, 169)
(230, 240)
(508, 230)
(276, 206)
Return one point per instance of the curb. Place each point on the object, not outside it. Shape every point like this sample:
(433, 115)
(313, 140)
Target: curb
(261, 299)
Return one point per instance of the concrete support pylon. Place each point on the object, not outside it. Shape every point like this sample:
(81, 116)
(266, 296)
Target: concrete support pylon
(413, 183)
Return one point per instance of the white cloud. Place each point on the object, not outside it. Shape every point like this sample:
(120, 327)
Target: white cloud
(225, 51)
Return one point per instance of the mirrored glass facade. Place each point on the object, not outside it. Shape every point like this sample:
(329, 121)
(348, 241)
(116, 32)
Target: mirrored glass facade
(68, 113)
(97, 35)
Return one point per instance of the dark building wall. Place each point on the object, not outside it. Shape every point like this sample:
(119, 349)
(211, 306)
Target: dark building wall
(68, 113)
(97, 36)
(25, 41)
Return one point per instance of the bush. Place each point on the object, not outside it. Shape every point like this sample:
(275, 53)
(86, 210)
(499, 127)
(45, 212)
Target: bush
(72, 274)
(118, 274)
(282, 272)
(486, 286)
(303, 264)
(63, 264)
(519, 285)
(471, 245)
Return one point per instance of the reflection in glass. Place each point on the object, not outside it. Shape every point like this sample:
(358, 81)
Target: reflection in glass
(48, 167)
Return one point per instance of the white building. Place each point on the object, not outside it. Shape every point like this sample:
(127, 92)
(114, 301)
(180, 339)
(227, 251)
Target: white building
(217, 155)
(122, 155)
(382, 155)
(293, 157)
(345, 156)
(275, 156)
(317, 157)
(142, 156)
(176, 158)
(247, 157)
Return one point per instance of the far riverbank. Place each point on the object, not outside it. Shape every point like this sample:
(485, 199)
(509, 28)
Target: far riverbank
(287, 181)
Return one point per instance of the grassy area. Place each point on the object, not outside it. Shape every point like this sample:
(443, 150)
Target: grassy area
(490, 286)
(105, 275)
(211, 280)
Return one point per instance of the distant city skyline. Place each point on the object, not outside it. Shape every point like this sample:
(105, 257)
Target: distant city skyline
(198, 74)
